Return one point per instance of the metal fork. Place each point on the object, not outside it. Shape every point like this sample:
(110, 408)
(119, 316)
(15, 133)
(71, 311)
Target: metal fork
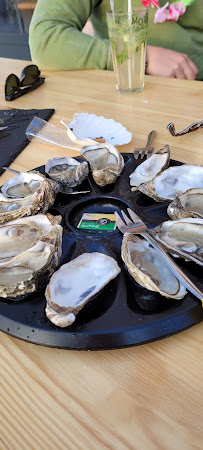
(137, 226)
(148, 150)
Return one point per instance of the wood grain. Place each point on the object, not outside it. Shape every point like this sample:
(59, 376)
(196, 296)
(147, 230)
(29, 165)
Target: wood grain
(146, 397)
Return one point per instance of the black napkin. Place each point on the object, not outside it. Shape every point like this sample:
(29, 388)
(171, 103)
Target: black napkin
(13, 139)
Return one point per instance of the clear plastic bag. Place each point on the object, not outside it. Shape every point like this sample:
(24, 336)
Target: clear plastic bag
(41, 130)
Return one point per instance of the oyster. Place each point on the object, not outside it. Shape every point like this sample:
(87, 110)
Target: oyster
(188, 204)
(68, 171)
(75, 283)
(105, 161)
(173, 181)
(26, 194)
(151, 167)
(147, 267)
(30, 251)
(183, 238)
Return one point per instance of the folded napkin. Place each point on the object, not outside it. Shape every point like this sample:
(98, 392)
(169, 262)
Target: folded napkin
(13, 138)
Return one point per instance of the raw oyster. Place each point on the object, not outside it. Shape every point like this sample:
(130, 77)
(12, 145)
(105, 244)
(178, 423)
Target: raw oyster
(151, 167)
(173, 181)
(26, 194)
(75, 283)
(105, 161)
(147, 267)
(30, 251)
(188, 204)
(183, 238)
(68, 171)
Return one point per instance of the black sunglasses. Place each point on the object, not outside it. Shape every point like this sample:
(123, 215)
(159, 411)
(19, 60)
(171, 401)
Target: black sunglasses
(29, 80)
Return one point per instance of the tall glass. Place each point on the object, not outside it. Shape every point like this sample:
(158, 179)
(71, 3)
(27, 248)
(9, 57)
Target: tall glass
(127, 34)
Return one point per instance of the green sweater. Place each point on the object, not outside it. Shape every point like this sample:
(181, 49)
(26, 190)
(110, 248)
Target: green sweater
(56, 41)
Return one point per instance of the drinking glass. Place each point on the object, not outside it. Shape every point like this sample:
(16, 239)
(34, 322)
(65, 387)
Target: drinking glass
(127, 34)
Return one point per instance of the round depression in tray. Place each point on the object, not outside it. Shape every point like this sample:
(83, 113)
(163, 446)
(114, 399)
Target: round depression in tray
(123, 313)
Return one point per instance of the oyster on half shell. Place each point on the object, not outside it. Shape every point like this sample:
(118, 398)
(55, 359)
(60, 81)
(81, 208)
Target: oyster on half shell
(26, 194)
(183, 238)
(147, 267)
(151, 167)
(173, 181)
(188, 204)
(106, 163)
(30, 251)
(75, 283)
(67, 171)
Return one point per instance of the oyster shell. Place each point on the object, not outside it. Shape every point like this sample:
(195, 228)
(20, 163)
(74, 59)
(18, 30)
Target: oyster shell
(183, 238)
(30, 251)
(188, 204)
(147, 267)
(75, 283)
(151, 167)
(173, 181)
(105, 161)
(26, 194)
(68, 171)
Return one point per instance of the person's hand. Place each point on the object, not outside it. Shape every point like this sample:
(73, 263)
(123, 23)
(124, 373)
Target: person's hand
(169, 63)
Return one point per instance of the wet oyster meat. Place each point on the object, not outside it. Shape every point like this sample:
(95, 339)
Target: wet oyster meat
(26, 194)
(147, 267)
(173, 181)
(106, 163)
(183, 238)
(151, 167)
(67, 171)
(75, 283)
(30, 251)
(188, 204)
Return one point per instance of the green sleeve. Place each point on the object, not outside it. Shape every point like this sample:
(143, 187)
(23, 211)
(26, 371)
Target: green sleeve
(184, 36)
(56, 41)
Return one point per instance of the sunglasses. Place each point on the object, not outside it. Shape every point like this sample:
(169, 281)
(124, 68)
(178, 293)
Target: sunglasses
(29, 80)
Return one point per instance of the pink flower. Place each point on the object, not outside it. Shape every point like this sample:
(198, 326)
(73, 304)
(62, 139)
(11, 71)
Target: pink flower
(161, 14)
(176, 10)
(153, 3)
(181, 6)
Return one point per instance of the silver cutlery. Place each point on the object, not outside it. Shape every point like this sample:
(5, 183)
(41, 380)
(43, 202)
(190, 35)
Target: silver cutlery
(137, 226)
(148, 150)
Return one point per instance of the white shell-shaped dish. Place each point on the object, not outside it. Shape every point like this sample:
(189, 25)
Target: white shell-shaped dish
(90, 126)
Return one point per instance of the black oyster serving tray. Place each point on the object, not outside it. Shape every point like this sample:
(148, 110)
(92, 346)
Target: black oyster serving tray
(123, 313)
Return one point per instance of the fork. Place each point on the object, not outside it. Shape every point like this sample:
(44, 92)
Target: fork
(148, 150)
(137, 226)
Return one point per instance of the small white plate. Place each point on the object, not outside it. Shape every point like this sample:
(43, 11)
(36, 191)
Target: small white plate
(90, 126)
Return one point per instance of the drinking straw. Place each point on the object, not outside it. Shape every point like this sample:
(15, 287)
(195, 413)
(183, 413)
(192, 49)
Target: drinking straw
(112, 9)
(129, 62)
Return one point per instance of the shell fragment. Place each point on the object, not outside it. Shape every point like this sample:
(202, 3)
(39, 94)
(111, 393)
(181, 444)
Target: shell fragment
(173, 181)
(30, 250)
(147, 267)
(75, 283)
(151, 167)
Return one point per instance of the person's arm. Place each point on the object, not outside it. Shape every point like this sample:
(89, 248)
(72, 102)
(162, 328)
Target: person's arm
(56, 39)
(176, 48)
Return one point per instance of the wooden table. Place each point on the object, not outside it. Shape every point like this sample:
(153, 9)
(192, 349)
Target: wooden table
(145, 397)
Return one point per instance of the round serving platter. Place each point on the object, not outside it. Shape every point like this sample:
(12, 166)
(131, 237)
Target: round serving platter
(123, 313)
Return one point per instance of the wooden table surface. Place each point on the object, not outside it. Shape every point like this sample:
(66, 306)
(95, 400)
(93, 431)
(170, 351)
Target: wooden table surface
(144, 397)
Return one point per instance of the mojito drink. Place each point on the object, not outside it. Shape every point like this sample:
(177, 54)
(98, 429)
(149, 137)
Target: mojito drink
(128, 44)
